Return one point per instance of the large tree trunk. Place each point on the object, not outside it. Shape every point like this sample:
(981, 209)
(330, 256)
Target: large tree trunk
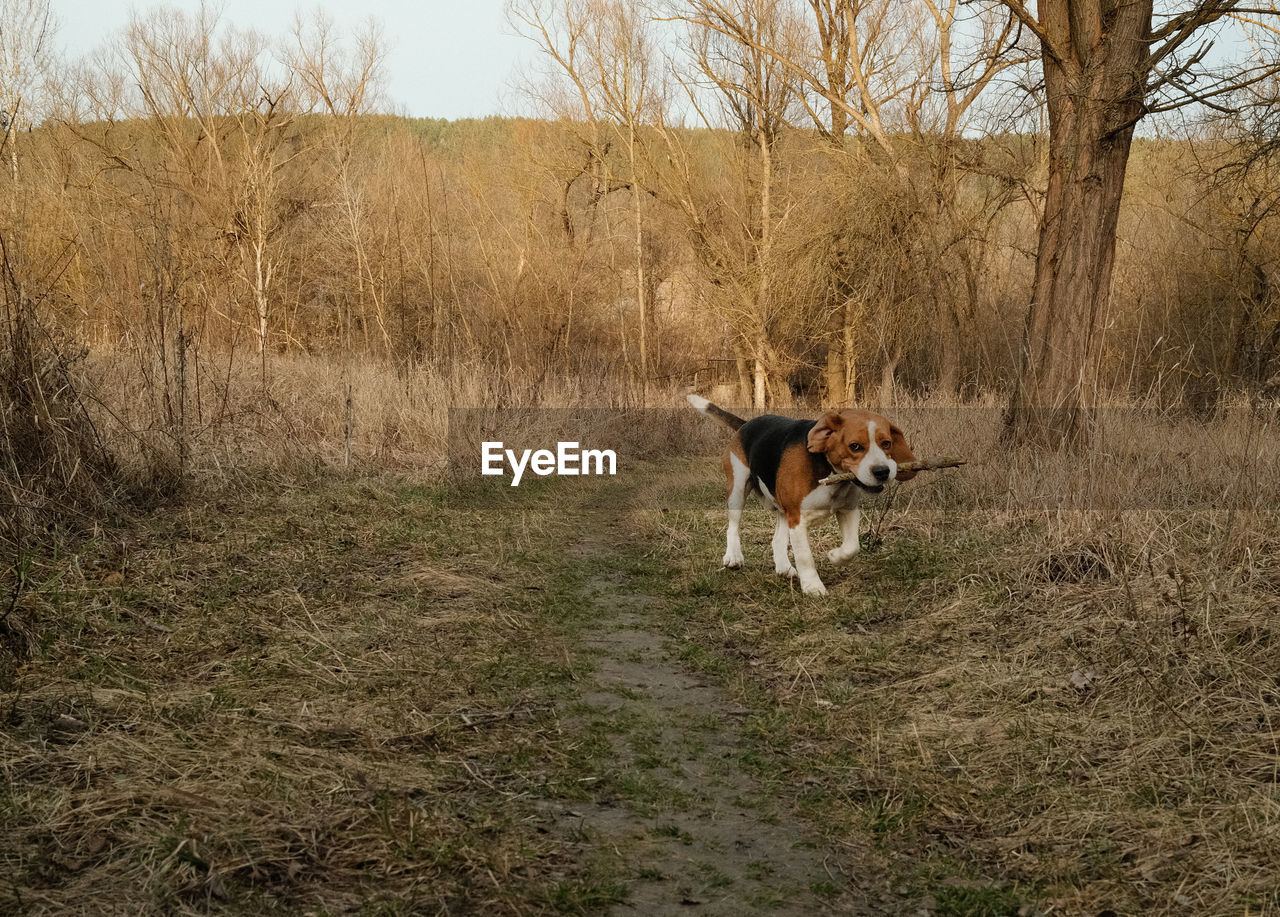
(852, 316)
(889, 381)
(1094, 91)
(641, 299)
(834, 375)
(744, 373)
(764, 253)
(841, 375)
(949, 340)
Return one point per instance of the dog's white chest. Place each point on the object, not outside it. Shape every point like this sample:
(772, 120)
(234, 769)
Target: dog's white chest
(831, 497)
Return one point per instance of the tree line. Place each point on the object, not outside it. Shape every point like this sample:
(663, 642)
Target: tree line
(821, 201)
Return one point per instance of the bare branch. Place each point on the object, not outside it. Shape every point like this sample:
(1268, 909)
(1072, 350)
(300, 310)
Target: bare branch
(1019, 9)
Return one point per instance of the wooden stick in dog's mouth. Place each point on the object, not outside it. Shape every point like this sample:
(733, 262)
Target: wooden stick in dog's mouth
(921, 465)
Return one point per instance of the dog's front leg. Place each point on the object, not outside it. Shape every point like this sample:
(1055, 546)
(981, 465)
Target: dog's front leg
(850, 521)
(803, 553)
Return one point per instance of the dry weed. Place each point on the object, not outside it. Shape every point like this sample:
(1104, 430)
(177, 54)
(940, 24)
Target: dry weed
(1045, 672)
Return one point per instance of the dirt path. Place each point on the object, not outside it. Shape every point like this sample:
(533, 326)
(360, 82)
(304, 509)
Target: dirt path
(351, 697)
(696, 830)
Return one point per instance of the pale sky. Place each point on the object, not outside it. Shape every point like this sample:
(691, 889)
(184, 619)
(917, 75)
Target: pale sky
(447, 58)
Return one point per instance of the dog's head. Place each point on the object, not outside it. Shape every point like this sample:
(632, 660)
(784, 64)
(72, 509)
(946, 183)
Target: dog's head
(863, 443)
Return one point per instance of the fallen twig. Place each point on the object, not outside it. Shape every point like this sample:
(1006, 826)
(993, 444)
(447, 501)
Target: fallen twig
(920, 465)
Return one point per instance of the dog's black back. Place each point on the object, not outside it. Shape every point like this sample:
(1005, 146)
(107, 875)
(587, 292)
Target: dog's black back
(766, 437)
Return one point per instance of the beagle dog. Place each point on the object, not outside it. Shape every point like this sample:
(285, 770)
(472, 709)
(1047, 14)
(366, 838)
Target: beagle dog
(784, 460)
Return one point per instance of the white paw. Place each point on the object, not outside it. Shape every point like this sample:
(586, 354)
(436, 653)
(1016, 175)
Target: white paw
(841, 554)
(733, 559)
(814, 588)
(788, 570)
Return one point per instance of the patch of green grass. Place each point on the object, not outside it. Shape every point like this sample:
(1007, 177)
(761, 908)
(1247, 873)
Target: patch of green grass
(889, 814)
(674, 831)
(768, 899)
(703, 659)
(582, 896)
(712, 877)
(761, 764)
(771, 728)
(647, 793)
(825, 888)
(984, 901)
(704, 586)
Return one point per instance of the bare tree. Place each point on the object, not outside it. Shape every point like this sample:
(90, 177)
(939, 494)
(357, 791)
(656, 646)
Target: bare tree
(858, 65)
(729, 45)
(603, 55)
(964, 52)
(1245, 176)
(907, 79)
(26, 29)
(342, 81)
(633, 95)
(227, 119)
(1107, 65)
(339, 79)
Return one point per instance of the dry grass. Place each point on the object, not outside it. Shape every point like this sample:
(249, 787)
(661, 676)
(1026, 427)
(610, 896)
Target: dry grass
(1024, 700)
(311, 698)
(51, 454)
(88, 442)
(296, 414)
(1048, 678)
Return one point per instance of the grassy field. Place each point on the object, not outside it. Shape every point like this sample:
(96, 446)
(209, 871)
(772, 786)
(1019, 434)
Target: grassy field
(1077, 712)
(366, 695)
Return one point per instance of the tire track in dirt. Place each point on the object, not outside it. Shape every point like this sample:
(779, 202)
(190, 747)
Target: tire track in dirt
(695, 830)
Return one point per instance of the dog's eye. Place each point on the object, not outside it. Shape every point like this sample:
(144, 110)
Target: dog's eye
(886, 444)
(855, 447)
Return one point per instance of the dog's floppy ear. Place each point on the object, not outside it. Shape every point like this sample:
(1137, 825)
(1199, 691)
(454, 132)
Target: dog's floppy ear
(820, 435)
(900, 452)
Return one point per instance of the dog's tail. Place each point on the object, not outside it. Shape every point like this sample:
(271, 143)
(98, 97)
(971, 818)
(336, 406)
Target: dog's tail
(714, 410)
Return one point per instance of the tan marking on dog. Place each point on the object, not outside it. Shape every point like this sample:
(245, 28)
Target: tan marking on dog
(838, 431)
(899, 451)
(735, 450)
(798, 475)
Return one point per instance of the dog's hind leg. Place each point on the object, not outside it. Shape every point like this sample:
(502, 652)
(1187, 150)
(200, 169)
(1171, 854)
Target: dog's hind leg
(739, 478)
(781, 536)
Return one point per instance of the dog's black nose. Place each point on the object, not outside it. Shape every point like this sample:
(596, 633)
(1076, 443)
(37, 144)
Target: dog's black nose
(881, 472)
